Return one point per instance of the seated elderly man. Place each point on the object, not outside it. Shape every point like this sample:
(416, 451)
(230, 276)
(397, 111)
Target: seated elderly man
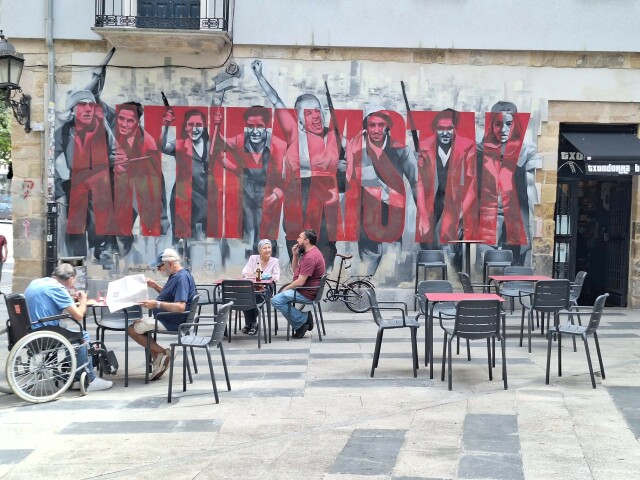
(50, 296)
(174, 297)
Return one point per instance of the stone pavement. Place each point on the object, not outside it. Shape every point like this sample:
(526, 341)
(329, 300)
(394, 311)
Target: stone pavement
(308, 409)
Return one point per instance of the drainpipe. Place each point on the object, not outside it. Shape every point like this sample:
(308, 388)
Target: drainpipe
(51, 239)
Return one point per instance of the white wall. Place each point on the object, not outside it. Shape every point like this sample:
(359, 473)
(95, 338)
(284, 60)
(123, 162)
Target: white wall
(552, 25)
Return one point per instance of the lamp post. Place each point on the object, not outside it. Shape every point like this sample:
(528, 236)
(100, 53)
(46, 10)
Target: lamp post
(11, 63)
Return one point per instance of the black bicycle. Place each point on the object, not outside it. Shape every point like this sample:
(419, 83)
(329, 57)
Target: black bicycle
(350, 290)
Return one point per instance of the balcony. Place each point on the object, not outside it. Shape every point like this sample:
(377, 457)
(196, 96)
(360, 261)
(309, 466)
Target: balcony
(167, 27)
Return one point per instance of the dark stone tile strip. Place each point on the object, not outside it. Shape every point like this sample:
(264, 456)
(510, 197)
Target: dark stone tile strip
(13, 457)
(626, 399)
(160, 426)
(369, 452)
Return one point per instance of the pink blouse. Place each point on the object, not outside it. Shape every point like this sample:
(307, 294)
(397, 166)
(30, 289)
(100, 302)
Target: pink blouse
(272, 268)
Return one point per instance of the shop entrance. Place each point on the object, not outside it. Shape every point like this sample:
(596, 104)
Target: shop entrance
(593, 216)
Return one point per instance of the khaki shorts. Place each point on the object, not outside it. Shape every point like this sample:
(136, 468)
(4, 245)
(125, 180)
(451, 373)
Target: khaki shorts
(147, 324)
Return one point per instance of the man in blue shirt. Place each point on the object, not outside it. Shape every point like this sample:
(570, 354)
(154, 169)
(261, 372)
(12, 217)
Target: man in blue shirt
(50, 296)
(174, 297)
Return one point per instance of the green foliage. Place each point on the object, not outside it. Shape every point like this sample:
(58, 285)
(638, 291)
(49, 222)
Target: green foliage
(5, 133)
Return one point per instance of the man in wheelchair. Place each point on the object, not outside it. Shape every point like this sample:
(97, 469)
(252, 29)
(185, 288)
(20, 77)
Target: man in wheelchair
(49, 296)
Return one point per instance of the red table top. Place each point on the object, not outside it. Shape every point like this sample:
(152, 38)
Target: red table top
(519, 278)
(466, 241)
(457, 297)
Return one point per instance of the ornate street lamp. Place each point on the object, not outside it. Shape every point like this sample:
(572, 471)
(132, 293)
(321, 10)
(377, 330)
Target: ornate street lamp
(11, 63)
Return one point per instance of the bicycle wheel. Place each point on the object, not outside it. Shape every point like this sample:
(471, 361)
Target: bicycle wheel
(355, 297)
(41, 366)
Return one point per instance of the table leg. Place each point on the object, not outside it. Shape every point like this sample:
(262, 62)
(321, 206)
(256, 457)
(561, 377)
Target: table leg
(467, 257)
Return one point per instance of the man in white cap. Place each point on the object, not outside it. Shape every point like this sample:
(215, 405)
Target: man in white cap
(384, 164)
(174, 297)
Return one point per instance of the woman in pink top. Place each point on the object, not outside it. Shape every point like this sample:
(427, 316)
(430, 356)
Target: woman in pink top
(270, 268)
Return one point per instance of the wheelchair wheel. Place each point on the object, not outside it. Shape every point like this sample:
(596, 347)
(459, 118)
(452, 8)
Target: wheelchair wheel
(355, 297)
(41, 366)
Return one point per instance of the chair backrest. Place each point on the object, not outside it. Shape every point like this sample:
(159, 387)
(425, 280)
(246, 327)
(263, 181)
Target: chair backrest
(320, 291)
(19, 323)
(222, 317)
(576, 288)
(241, 293)
(477, 319)
(465, 280)
(518, 270)
(434, 286)
(596, 313)
(551, 295)
(129, 313)
(373, 302)
(502, 256)
(425, 257)
(194, 308)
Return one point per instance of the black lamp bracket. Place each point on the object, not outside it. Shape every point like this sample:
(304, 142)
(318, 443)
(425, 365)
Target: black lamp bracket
(21, 107)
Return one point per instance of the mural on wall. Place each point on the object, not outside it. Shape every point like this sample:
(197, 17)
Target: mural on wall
(212, 177)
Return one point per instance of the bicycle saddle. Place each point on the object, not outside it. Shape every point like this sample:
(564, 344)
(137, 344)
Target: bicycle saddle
(346, 257)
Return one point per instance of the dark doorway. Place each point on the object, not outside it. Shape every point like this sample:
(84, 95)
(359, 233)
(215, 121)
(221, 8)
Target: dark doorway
(592, 215)
(174, 14)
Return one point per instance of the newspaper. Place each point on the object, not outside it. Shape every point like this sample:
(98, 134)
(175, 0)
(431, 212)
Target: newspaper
(127, 292)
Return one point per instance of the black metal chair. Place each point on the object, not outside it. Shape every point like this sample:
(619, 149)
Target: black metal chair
(187, 339)
(512, 289)
(576, 287)
(117, 321)
(393, 323)
(426, 259)
(315, 304)
(475, 319)
(448, 309)
(470, 287)
(583, 332)
(243, 295)
(187, 316)
(495, 259)
(548, 297)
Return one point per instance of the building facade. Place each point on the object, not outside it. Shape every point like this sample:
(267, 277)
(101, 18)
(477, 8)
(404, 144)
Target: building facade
(214, 124)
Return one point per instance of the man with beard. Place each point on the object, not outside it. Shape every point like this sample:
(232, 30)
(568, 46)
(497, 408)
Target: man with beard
(174, 297)
(308, 268)
(384, 164)
(84, 156)
(312, 162)
(254, 156)
(447, 184)
(137, 166)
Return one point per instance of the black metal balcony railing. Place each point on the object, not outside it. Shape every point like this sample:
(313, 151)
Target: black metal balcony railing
(167, 14)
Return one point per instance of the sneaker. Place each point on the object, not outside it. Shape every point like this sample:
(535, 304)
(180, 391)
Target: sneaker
(75, 385)
(158, 372)
(301, 331)
(99, 384)
(310, 320)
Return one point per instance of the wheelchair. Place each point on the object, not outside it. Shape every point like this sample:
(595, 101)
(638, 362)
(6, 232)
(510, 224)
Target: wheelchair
(42, 362)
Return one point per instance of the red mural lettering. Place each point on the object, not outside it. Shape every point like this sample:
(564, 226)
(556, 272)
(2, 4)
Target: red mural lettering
(499, 204)
(90, 176)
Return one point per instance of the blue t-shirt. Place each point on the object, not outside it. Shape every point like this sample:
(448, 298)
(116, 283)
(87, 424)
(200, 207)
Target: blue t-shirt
(180, 287)
(46, 297)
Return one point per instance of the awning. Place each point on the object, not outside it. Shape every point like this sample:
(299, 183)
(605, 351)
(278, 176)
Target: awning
(607, 153)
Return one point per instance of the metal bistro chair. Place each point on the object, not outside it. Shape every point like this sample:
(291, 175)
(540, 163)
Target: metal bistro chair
(117, 321)
(393, 323)
(579, 330)
(243, 295)
(187, 316)
(186, 339)
(448, 309)
(315, 304)
(548, 297)
(470, 287)
(576, 287)
(429, 259)
(475, 319)
(495, 259)
(512, 289)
